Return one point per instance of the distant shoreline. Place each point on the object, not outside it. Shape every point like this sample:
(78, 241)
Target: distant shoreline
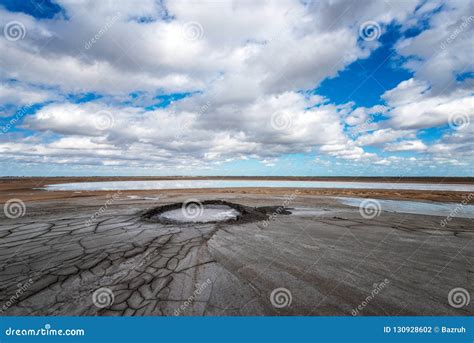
(399, 179)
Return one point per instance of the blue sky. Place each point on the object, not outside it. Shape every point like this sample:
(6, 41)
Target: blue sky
(283, 88)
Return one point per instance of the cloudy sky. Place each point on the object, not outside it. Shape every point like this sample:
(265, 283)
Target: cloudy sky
(153, 87)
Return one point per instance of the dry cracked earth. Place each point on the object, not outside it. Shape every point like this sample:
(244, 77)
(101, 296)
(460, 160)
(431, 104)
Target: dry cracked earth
(326, 257)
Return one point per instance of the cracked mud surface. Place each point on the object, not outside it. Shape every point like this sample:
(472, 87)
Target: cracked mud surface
(329, 261)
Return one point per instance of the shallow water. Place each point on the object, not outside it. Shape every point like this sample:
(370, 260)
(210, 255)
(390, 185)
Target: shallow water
(186, 184)
(309, 212)
(203, 214)
(142, 197)
(414, 207)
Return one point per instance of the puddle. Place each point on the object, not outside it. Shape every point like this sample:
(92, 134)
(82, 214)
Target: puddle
(194, 211)
(415, 207)
(309, 212)
(199, 214)
(137, 197)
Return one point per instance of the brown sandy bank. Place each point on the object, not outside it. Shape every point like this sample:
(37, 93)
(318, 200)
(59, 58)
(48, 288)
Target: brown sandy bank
(29, 189)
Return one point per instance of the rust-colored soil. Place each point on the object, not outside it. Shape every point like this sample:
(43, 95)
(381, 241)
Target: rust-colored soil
(29, 189)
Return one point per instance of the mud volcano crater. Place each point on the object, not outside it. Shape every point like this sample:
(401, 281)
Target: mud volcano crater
(210, 211)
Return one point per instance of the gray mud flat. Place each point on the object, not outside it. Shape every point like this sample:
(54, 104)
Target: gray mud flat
(326, 255)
